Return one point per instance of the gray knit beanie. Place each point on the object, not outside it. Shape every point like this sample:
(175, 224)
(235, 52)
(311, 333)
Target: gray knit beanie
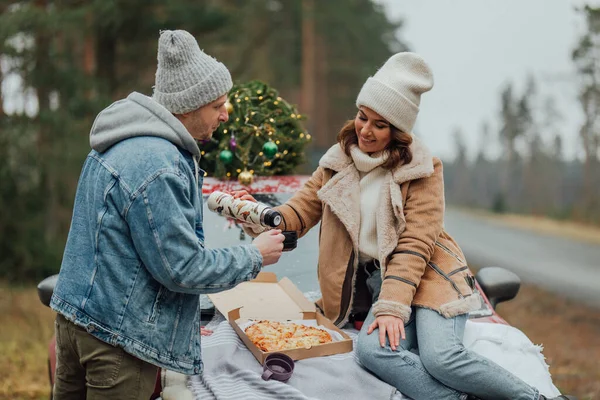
(394, 92)
(186, 77)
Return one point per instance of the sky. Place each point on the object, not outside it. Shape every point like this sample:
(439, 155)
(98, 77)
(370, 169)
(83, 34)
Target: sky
(476, 47)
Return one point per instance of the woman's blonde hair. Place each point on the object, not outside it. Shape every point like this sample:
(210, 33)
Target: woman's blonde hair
(398, 149)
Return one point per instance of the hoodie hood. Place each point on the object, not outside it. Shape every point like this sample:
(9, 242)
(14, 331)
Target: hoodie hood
(139, 115)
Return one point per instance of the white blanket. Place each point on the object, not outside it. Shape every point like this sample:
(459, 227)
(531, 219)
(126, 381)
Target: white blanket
(512, 349)
(319, 378)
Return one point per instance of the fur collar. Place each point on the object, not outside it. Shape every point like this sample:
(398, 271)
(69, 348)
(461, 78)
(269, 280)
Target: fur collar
(342, 194)
(420, 166)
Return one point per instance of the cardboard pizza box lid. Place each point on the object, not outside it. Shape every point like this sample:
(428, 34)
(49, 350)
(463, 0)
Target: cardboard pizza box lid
(267, 298)
(264, 297)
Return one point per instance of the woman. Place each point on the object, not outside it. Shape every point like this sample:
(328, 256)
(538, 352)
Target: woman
(379, 196)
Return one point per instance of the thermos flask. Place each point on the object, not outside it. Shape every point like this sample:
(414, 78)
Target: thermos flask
(243, 210)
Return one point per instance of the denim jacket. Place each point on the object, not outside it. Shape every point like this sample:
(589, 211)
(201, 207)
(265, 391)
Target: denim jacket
(135, 262)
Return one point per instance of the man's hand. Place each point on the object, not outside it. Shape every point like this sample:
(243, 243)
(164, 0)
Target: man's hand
(205, 332)
(242, 194)
(270, 245)
(393, 326)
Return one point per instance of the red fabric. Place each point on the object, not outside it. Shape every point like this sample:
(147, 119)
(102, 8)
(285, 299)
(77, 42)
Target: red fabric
(157, 387)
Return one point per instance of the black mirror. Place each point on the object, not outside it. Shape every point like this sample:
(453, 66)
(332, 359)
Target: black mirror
(207, 310)
(498, 284)
(45, 289)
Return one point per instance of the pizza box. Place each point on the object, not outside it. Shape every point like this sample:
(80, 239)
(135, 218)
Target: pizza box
(266, 298)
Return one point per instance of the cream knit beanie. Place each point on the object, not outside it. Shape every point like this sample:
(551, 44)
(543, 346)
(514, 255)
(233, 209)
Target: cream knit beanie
(394, 92)
(186, 77)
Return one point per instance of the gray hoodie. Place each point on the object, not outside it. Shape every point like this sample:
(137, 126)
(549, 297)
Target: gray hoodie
(139, 115)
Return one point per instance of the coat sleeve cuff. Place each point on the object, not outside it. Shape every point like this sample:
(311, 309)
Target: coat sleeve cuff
(386, 307)
(257, 260)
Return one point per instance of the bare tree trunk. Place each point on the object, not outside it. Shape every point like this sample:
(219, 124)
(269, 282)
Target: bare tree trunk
(586, 133)
(587, 180)
(42, 60)
(307, 94)
(322, 119)
(44, 145)
(2, 114)
(507, 177)
(106, 52)
(89, 54)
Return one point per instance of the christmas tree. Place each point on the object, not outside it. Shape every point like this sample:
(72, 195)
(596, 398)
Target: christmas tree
(264, 136)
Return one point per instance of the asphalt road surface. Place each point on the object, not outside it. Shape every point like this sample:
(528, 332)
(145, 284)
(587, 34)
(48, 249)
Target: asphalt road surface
(561, 265)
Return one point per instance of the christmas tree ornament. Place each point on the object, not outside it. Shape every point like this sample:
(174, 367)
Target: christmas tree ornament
(229, 107)
(270, 149)
(226, 157)
(232, 143)
(245, 177)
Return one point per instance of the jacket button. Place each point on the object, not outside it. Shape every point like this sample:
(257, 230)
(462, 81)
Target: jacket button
(90, 328)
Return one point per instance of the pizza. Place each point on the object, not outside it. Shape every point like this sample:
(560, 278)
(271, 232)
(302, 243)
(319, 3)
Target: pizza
(276, 336)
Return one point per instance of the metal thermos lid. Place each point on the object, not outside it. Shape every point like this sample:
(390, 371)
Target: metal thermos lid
(272, 218)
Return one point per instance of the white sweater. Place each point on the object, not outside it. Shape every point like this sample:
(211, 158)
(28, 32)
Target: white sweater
(372, 176)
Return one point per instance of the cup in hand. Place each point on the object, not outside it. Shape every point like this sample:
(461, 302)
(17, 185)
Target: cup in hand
(291, 240)
(278, 366)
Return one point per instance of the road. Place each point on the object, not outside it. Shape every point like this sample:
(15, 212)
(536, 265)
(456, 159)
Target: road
(561, 265)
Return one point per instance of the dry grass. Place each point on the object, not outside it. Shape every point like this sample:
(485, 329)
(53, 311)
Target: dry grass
(26, 328)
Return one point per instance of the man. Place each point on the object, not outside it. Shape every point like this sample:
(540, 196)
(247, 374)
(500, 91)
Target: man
(135, 262)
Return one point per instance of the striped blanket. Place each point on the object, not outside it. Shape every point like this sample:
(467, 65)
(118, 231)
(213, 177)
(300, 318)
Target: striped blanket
(232, 372)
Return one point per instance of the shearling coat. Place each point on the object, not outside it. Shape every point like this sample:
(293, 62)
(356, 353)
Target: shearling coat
(421, 265)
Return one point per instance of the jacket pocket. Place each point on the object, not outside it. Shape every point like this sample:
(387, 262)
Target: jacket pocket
(440, 272)
(109, 362)
(156, 306)
(452, 266)
(450, 252)
(457, 270)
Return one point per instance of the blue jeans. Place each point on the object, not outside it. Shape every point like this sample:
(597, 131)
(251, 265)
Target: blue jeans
(432, 362)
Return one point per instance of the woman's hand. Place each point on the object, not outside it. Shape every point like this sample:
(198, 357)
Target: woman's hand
(242, 194)
(393, 326)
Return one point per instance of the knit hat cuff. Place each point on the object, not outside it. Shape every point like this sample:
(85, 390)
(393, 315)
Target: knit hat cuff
(389, 103)
(215, 85)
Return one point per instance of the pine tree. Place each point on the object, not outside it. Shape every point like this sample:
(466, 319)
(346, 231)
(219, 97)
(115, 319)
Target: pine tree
(72, 59)
(585, 57)
(75, 57)
(264, 135)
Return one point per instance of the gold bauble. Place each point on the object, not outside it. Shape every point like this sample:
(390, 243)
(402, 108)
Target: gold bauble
(245, 177)
(228, 107)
